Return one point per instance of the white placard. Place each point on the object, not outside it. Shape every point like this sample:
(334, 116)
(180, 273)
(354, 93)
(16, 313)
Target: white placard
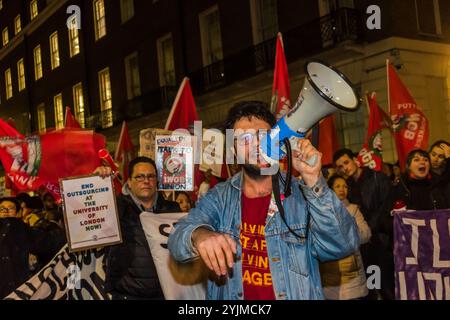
(90, 212)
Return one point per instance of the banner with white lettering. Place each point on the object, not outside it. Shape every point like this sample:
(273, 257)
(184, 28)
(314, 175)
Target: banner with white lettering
(179, 281)
(422, 255)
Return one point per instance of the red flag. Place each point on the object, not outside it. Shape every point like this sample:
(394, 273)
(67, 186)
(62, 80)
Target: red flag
(71, 122)
(183, 112)
(40, 160)
(410, 126)
(371, 152)
(328, 141)
(281, 91)
(124, 151)
(8, 183)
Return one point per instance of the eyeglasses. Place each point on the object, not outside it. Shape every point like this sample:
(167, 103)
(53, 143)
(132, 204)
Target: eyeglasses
(143, 177)
(246, 138)
(5, 209)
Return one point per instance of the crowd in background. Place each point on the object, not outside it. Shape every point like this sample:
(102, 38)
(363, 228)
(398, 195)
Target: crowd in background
(32, 227)
(31, 233)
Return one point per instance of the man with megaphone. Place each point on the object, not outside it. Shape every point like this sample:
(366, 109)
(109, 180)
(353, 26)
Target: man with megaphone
(260, 242)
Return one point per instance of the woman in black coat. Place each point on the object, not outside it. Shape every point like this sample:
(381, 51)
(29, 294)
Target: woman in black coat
(14, 248)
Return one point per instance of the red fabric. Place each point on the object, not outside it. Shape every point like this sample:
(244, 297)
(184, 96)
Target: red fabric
(125, 151)
(410, 126)
(281, 91)
(8, 183)
(328, 141)
(40, 160)
(256, 276)
(371, 152)
(183, 112)
(71, 121)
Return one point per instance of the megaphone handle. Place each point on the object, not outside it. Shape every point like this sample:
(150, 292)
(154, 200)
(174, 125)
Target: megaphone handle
(311, 161)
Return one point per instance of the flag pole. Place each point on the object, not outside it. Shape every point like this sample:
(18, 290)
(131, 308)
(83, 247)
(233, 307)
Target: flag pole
(122, 132)
(388, 89)
(175, 103)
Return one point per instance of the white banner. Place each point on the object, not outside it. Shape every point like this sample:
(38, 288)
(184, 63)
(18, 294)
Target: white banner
(179, 281)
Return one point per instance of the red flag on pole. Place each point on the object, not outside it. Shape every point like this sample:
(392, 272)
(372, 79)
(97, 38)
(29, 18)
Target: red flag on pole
(124, 151)
(409, 124)
(40, 160)
(371, 152)
(71, 121)
(8, 183)
(281, 91)
(328, 141)
(183, 112)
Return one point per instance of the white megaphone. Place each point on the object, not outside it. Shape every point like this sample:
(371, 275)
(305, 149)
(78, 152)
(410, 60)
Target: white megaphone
(325, 90)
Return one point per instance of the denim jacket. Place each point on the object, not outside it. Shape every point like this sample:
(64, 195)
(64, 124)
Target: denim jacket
(293, 261)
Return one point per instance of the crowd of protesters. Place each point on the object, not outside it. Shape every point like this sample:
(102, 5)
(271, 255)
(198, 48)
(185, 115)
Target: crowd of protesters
(424, 185)
(31, 233)
(32, 228)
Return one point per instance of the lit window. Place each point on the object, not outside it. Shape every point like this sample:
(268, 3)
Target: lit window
(33, 9)
(5, 36)
(166, 61)
(17, 25)
(99, 19)
(264, 19)
(105, 98)
(21, 74)
(126, 10)
(78, 102)
(74, 40)
(8, 84)
(211, 36)
(41, 117)
(37, 63)
(59, 114)
(54, 50)
(132, 76)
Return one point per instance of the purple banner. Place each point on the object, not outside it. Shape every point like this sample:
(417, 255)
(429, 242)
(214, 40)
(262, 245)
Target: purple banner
(422, 255)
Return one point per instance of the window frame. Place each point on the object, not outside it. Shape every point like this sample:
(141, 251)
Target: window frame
(38, 71)
(17, 26)
(59, 114)
(34, 10)
(21, 78)
(99, 26)
(8, 84)
(79, 110)
(55, 60)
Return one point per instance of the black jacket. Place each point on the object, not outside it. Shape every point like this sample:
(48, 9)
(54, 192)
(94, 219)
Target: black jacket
(15, 245)
(130, 270)
(426, 194)
(370, 193)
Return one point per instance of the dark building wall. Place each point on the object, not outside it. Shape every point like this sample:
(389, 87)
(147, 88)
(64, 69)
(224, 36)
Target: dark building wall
(17, 106)
(298, 20)
(399, 18)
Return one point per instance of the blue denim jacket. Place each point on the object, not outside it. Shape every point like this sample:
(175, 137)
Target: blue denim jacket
(293, 261)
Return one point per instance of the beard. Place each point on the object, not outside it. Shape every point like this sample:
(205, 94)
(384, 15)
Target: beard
(253, 171)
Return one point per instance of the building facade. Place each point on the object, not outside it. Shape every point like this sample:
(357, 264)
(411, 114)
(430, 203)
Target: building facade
(128, 57)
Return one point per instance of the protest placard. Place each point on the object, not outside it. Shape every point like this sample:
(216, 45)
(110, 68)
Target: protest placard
(174, 157)
(147, 141)
(90, 212)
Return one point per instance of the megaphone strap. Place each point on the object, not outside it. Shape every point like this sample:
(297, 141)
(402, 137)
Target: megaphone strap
(277, 195)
